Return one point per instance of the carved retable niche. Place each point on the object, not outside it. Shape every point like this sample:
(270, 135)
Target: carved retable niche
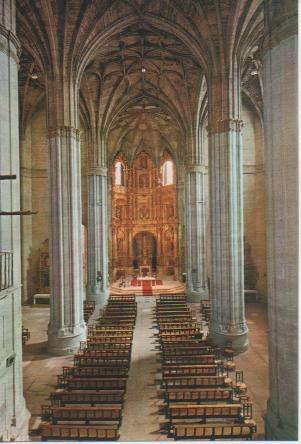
(144, 216)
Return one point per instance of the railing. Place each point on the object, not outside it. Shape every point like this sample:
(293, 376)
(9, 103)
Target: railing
(6, 269)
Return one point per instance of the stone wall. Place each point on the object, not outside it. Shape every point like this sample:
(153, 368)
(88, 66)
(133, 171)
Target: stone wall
(254, 204)
(34, 194)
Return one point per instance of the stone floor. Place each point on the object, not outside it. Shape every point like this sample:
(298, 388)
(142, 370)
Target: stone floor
(143, 417)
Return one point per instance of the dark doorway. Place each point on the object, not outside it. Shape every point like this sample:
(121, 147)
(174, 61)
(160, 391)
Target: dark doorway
(145, 250)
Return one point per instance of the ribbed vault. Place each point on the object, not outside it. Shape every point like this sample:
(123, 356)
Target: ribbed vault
(138, 64)
(142, 87)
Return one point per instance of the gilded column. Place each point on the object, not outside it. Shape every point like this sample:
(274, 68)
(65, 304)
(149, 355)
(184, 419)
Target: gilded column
(280, 64)
(66, 326)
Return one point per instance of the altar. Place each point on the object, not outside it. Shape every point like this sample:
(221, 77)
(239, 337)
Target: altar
(145, 271)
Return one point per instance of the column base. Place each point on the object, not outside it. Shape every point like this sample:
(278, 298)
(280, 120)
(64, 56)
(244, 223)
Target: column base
(240, 341)
(197, 296)
(275, 430)
(19, 432)
(99, 297)
(62, 343)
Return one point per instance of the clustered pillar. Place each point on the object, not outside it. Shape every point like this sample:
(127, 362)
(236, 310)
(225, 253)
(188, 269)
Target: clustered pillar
(14, 416)
(281, 139)
(226, 214)
(66, 327)
(97, 237)
(195, 232)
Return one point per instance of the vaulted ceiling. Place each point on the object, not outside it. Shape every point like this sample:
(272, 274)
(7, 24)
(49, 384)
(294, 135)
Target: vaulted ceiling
(140, 64)
(142, 87)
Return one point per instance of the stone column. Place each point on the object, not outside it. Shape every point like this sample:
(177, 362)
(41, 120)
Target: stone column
(98, 286)
(281, 159)
(195, 234)
(14, 416)
(66, 327)
(226, 216)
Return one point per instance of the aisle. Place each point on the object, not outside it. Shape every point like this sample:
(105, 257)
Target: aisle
(141, 418)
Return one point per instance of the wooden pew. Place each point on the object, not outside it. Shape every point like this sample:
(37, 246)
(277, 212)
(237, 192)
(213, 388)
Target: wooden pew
(199, 395)
(109, 340)
(214, 431)
(174, 310)
(190, 370)
(171, 297)
(190, 359)
(113, 333)
(237, 412)
(63, 397)
(87, 414)
(170, 303)
(119, 316)
(198, 382)
(178, 317)
(110, 322)
(125, 299)
(123, 308)
(175, 325)
(171, 307)
(183, 342)
(76, 432)
(94, 372)
(118, 319)
(105, 353)
(80, 360)
(178, 330)
(94, 328)
(180, 334)
(74, 383)
(182, 351)
(91, 345)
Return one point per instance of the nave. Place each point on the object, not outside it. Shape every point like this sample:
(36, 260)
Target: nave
(143, 413)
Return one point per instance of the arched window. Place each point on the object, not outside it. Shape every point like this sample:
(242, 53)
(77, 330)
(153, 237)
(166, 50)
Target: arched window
(119, 173)
(168, 173)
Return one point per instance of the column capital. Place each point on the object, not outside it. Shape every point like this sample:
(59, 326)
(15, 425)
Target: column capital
(8, 40)
(97, 171)
(191, 168)
(224, 126)
(64, 132)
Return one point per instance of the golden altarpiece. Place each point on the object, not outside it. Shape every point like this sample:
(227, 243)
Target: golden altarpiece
(144, 216)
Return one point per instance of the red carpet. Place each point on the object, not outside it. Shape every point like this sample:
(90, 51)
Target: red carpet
(147, 288)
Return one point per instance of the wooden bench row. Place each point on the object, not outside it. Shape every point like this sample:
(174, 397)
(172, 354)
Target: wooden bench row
(94, 371)
(214, 431)
(92, 344)
(70, 383)
(87, 414)
(64, 397)
(202, 412)
(190, 370)
(76, 432)
(88, 402)
(166, 298)
(193, 375)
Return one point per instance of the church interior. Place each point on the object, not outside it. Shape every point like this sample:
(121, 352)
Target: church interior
(148, 220)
